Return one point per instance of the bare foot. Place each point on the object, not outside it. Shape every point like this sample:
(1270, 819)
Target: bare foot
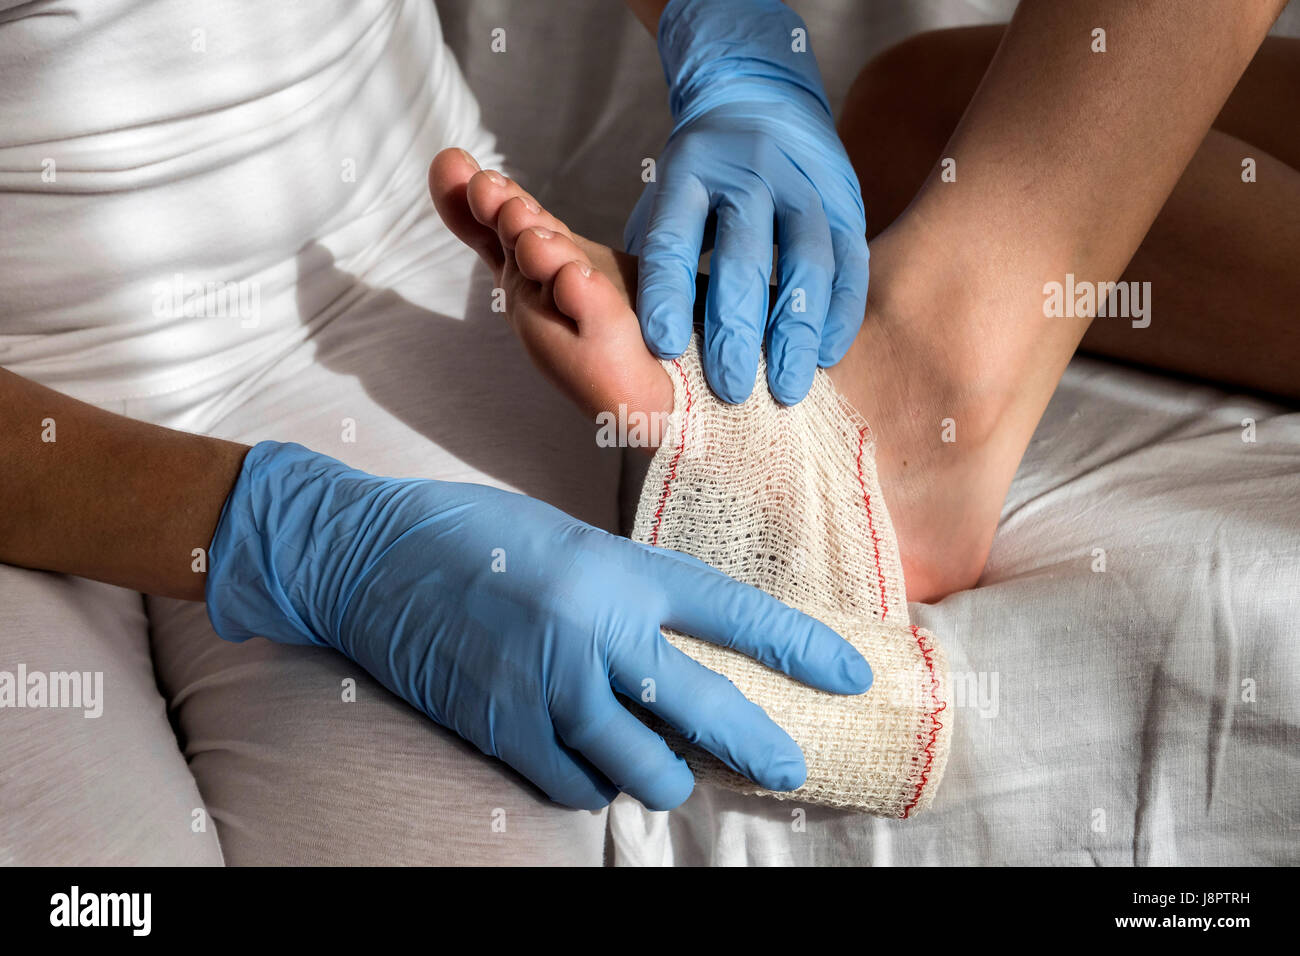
(569, 301)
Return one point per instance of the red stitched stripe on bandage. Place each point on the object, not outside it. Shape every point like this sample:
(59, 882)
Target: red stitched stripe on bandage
(672, 468)
(871, 523)
(927, 747)
(926, 755)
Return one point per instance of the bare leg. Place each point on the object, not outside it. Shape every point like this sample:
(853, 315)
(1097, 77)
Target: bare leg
(955, 341)
(1220, 255)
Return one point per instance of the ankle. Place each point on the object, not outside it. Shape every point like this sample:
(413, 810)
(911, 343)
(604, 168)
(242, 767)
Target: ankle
(915, 351)
(931, 376)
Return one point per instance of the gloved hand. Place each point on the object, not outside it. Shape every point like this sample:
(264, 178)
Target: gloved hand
(512, 623)
(753, 141)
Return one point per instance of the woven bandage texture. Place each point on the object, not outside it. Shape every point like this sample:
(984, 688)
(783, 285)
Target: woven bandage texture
(787, 499)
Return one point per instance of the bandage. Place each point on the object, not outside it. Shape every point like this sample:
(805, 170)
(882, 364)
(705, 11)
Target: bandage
(787, 499)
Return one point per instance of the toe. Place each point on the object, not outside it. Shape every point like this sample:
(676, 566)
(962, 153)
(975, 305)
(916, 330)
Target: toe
(541, 252)
(450, 174)
(489, 190)
(521, 212)
(586, 295)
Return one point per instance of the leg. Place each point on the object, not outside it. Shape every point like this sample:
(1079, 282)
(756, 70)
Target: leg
(304, 759)
(76, 790)
(1219, 256)
(1221, 259)
(955, 331)
(930, 361)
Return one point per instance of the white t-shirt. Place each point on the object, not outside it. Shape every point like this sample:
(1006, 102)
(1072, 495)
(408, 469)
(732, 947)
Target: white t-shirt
(162, 164)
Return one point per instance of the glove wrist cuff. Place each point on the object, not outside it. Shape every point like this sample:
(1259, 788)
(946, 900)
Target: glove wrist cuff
(716, 51)
(253, 588)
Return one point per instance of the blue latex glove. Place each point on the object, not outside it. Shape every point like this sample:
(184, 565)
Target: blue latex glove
(755, 143)
(521, 658)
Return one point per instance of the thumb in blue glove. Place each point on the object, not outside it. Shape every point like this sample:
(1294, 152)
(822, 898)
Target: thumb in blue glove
(512, 623)
(754, 145)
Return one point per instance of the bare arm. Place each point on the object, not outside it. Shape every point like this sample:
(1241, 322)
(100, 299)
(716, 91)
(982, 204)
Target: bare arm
(108, 498)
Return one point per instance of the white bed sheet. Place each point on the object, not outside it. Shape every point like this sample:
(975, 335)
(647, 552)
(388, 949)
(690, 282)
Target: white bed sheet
(1143, 714)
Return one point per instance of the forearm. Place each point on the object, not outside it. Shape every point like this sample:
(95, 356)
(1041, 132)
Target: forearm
(91, 493)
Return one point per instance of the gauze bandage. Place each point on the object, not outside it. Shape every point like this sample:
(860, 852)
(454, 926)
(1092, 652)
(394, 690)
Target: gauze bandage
(786, 499)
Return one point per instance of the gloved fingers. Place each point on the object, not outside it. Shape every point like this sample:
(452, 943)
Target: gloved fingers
(712, 606)
(669, 258)
(735, 312)
(805, 268)
(627, 752)
(712, 713)
(848, 293)
(634, 230)
(563, 774)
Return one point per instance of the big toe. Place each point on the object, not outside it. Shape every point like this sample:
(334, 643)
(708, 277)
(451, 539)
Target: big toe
(449, 177)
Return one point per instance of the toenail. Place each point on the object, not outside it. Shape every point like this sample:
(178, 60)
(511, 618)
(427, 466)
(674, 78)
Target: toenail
(530, 204)
(541, 233)
(496, 178)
